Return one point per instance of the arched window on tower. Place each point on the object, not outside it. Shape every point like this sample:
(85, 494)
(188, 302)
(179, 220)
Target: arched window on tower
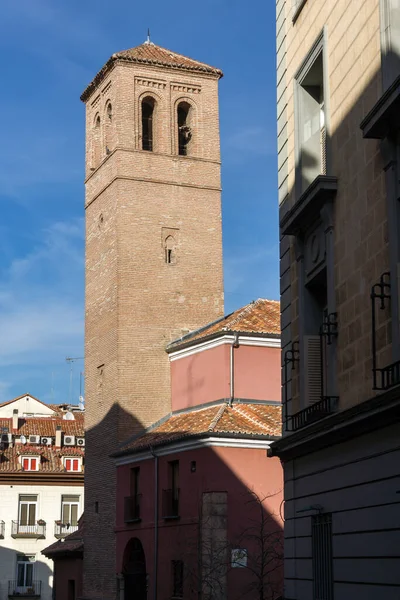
(170, 250)
(184, 128)
(97, 142)
(148, 105)
(108, 128)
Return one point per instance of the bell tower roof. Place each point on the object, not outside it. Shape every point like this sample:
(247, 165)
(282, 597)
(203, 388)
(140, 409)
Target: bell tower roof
(152, 55)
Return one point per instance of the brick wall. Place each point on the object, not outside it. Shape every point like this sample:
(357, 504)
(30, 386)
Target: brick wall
(135, 302)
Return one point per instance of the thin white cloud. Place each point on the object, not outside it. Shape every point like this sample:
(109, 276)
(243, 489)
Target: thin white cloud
(41, 299)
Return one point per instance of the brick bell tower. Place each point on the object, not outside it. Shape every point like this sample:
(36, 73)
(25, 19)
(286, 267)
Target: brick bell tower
(153, 256)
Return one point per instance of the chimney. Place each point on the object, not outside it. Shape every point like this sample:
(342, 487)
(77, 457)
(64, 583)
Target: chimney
(15, 419)
(58, 436)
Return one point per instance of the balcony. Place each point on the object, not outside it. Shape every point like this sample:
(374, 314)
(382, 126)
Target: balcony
(132, 508)
(61, 530)
(22, 530)
(315, 412)
(2, 529)
(170, 504)
(33, 590)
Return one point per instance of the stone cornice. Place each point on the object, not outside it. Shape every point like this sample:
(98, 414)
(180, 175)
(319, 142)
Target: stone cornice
(377, 412)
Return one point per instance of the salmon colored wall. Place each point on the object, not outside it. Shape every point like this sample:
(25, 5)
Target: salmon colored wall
(257, 373)
(200, 378)
(64, 570)
(205, 376)
(232, 470)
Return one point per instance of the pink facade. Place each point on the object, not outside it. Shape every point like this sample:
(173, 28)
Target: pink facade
(216, 479)
(205, 376)
(217, 469)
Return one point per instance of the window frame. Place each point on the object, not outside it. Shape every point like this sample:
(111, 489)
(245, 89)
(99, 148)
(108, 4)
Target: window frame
(30, 459)
(33, 501)
(70, 503)
(319, 48)
(72, 459)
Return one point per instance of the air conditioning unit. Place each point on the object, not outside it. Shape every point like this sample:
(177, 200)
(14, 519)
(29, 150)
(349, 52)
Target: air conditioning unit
(69, 440)
(80, 441)
(46, 441)
(34, 439)
(6, 438)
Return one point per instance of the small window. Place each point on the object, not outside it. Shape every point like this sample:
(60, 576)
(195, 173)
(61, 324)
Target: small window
(322, 563)
(72, 464)
(184, 127)
(177, 579)
(148, 105)
(170, 253)
(30, 463)
(109, 112)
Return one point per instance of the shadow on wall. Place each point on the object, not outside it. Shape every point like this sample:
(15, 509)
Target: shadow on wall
(220, 537)
(364, 245)
(20, 576)
(100, 504)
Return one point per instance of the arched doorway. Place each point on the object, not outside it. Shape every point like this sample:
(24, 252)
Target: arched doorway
(134, 571)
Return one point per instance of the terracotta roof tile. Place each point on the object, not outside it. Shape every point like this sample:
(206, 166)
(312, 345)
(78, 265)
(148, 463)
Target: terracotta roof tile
(151, 54)
(240, 419)
(261, 317)
(50, 458)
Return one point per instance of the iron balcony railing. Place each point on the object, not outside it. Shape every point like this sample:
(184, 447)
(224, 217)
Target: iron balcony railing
(2, 530)
(20, 529)
(170, 503)
(16, 589)
(63, 529)
(132, 508)
(325, 407)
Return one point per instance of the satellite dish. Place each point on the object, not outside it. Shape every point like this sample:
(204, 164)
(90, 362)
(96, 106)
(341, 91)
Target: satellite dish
(69, 416)
(22, 439)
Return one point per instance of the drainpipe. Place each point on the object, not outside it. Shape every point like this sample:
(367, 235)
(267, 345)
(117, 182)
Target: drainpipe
(155, 521)
(235, 344)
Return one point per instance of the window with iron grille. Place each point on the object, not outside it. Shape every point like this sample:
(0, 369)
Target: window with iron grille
(322, 557)
(177, 579)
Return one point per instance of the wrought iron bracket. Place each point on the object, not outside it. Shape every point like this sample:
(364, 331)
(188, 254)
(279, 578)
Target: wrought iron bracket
(330, 327)
(380, 291)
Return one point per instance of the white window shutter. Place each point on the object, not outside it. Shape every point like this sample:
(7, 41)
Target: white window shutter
(312, 369)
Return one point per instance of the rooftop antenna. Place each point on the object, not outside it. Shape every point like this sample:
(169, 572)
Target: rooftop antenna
(71, 361)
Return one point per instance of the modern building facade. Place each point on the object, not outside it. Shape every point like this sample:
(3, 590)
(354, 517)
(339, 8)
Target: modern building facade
(198, 499)
(153, 256)
(338, 143)
(41, 490)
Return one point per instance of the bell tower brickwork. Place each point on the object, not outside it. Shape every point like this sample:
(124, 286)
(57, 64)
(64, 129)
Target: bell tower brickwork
(153, 258)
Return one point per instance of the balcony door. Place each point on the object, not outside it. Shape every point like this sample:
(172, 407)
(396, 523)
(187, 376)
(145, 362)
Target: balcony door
(25, 572)
(69, 513)
(27, 514)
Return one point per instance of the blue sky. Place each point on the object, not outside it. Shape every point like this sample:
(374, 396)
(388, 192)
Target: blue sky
(49, 51)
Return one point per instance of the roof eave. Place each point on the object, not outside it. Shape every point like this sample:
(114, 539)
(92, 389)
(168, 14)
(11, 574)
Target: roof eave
(196, 436)
(88, 91)
(174, 346)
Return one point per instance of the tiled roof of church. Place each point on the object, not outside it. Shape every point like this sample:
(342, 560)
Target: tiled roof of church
(240, 419)
(260, 317)
(151, 54)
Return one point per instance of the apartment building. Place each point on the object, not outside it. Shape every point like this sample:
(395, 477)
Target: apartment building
(338, 82)
(41, 490)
